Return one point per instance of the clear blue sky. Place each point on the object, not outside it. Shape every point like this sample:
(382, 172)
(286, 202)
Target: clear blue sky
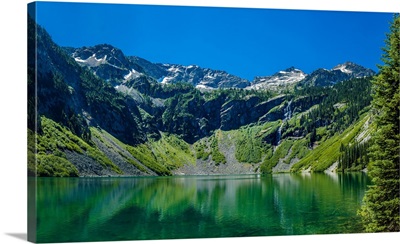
(243, 42)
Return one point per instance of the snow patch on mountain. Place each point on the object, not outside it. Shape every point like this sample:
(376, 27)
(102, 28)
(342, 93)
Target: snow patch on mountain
(108, 63)
(92, 61)
(203, 78)
(343, 69)
(278, 80)
(132, 75)
(341, 72)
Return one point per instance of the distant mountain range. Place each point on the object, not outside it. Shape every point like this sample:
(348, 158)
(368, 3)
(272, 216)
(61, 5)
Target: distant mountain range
(110, 64)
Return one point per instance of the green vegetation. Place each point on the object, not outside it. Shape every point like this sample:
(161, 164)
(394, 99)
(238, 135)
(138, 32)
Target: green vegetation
(381, 208)
(341, 105)
(160, 156)
(201, 149)
(353, 157)
(209, 146)
(250, 141)
(158, 128)
(272, 157)
(299, 150)
(113, 144)
(318, 126)
(172, 151)
(51, 165)
(288, 150)
(249, 146)
(163, 155)
(328, 151)
(48, 156)
(181, 112)
(54, 140)
(144, 154)
(237, 94)
(216, 155)
(111, 110)
(32, 159)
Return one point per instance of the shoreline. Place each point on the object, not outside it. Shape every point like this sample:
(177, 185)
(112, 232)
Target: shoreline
(364, 171)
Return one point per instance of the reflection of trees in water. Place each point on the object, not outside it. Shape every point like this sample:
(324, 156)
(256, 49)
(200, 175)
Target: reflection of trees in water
(201, 206)
(319, 203)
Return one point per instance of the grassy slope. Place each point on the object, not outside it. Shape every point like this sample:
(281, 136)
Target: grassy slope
(250, 145)
(170, 152)
(327, 151)
(50, 157)
(288, 150)
(159, 156)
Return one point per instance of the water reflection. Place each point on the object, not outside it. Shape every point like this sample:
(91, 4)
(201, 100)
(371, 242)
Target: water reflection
(101, 209)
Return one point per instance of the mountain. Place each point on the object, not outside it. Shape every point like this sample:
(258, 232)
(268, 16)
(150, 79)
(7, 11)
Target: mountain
(154, 70)
(94, 111)
(110, 64)
(64, 106)
(71, 95)
(341, 72)
(278, 80)
(107, 62)
(201, 77)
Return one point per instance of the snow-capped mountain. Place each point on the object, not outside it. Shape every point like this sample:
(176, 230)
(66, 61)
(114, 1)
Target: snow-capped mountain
(278, 80)
(320, 77)
(341, 72)
(355, 70)
(108, 63)
(202, 78)
(151, 69)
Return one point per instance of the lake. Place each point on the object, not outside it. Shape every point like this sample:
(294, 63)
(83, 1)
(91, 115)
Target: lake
(139, 208)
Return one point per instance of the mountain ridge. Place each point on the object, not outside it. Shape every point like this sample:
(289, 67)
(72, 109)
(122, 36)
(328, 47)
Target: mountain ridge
(341, 72)
(131, 67)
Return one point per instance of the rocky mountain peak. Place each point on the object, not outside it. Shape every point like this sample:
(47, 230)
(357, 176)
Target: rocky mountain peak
(356, 70)
(107, 62)
(282, 78)
(202, 78)
(341, 72)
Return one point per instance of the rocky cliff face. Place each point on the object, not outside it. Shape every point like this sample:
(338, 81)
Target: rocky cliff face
(108, 63)
(75, 97)
(237, 113)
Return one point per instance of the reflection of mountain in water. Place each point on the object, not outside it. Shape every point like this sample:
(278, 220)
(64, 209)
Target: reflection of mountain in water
(183, 207)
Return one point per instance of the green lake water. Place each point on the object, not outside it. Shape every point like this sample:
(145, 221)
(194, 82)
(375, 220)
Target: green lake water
(137, 208)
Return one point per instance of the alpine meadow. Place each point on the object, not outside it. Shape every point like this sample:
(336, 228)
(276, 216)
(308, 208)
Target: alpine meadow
(122, 147)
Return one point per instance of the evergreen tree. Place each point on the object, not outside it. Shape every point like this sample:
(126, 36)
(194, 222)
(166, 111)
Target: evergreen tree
(381, 209)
